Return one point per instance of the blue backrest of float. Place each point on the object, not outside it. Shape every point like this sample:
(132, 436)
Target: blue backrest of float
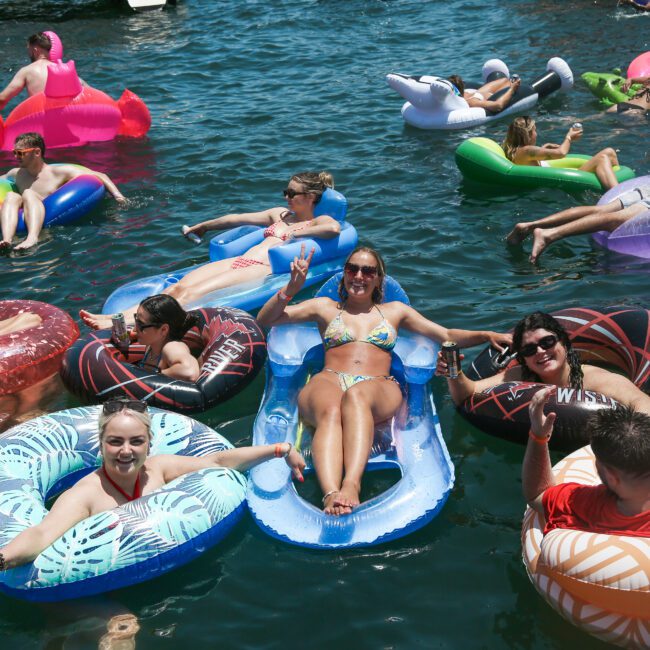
(392, 290)
(237, 241)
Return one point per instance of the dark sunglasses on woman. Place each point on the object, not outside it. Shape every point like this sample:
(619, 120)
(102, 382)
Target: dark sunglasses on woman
(120, 403)
(366, 271)
(546, 343)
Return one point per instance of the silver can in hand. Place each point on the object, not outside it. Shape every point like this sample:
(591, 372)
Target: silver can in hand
(120, 335)
(577, 126)
(451, 354)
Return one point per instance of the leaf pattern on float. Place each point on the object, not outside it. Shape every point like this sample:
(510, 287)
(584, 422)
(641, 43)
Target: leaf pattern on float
(206, 441)
(220, 489)
(171, 433)
(20, 508)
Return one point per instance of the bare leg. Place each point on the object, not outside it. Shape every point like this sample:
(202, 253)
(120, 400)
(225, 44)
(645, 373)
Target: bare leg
(19, 322)
(319, 404)
(34, 215)
(363, 406)
(9, 218)
(593, 223)
(524, 228)
(195, 284)
(601, 164)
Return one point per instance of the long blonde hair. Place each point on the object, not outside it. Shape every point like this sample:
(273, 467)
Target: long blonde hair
(519, 135)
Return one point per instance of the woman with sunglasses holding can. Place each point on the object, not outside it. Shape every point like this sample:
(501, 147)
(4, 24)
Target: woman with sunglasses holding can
(160, 324)
(546, 356)
(303, 193)
(127, 473)
(354, 391)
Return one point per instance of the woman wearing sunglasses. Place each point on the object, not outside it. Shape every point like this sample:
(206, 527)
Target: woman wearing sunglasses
(160, 324)
(354, 391)
(128, 473)
(303, 192)
(520, 146)
(545, 355)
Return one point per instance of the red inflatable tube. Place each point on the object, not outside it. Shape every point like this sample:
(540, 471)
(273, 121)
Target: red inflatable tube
(613, 336)
(27, 356)
(228, 342)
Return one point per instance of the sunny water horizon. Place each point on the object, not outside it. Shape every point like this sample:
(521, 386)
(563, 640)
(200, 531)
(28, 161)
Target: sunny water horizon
(243, 95)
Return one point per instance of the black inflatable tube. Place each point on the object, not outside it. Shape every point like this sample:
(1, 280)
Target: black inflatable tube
(232, 351)
(617, 336)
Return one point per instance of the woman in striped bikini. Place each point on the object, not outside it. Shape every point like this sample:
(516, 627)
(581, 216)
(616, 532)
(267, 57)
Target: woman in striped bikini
(303, 193)
(354, 391)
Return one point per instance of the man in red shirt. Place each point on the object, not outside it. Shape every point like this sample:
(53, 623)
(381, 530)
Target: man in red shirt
(620, 440)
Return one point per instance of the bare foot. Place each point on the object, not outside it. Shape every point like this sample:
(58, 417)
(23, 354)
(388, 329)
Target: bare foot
(5, 246)
(96, 321)
(23, 321)
(539, 244)
(348, 496)
(518, 233)
(26, 243)
(121, 633)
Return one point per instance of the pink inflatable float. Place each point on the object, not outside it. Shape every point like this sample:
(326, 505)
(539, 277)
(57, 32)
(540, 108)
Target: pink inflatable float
(68, 114)
(640, 67)
(29, 355)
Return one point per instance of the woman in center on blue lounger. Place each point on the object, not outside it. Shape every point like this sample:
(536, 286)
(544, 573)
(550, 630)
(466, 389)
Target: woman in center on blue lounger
(354, 391)
(128, 473)
(521, 148)
(303, 193)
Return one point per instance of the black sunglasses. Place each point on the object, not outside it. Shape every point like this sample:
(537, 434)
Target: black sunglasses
(117, 404)
(290, 194)
(143, 326)
(546, 343)
(366, 271)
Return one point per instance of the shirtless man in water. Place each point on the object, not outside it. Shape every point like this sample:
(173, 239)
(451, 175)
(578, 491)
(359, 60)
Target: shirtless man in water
(640, 102)
(36, 180)
(32, 76)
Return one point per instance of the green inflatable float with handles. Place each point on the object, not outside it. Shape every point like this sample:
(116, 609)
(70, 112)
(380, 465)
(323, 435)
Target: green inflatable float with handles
(607, 87)
(483, 160)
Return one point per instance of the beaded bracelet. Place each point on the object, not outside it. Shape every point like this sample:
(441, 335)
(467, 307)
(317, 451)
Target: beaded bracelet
(278, 453)
(538, 440)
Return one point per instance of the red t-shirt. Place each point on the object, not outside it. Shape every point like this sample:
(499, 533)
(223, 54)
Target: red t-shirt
(591, 508)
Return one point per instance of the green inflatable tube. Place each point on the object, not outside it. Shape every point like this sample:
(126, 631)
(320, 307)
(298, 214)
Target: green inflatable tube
(483, 160)
(607, 87)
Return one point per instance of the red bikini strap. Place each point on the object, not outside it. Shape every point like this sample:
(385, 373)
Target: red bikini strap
(137, 492)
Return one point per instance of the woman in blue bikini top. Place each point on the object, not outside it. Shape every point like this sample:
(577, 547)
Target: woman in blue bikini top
(354, 391)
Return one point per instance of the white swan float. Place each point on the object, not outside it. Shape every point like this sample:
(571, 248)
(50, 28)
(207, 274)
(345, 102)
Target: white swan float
(433, 103)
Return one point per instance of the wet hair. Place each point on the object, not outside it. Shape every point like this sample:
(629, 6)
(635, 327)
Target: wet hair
(104, 419)
(314, 182)
(519, 135)
(31, 139)
(378, 292)
(458, 82)
(620, 438)
(165, 310)
(540, 320)
(40, 40)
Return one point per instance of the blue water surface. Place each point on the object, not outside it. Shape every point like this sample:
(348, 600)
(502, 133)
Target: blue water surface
(242, 95)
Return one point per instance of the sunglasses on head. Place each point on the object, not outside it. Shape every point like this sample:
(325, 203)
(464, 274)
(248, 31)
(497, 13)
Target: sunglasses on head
(546, 343)
(120, 403)
(290, 194)
(19, 153)
(366, 271)
(143, 326)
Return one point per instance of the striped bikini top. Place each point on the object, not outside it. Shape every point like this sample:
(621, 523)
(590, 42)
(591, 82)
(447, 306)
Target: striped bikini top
(382, 335)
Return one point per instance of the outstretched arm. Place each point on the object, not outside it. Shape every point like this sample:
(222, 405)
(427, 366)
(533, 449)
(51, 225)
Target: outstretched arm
(526, 155)
(13, 88)
(239, 458)
(536, 472)
(496, 105)
(263, 218)
(70, 172)
(68, 509)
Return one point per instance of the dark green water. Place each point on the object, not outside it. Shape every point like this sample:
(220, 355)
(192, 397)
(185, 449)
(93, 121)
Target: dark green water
(243, 94)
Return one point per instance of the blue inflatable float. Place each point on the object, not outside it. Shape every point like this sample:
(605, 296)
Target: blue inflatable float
(129, 544)
(328, 259)
(70, 202)
(412, 443)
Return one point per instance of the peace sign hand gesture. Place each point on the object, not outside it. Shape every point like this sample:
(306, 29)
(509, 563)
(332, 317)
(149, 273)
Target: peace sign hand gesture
(299, 269)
